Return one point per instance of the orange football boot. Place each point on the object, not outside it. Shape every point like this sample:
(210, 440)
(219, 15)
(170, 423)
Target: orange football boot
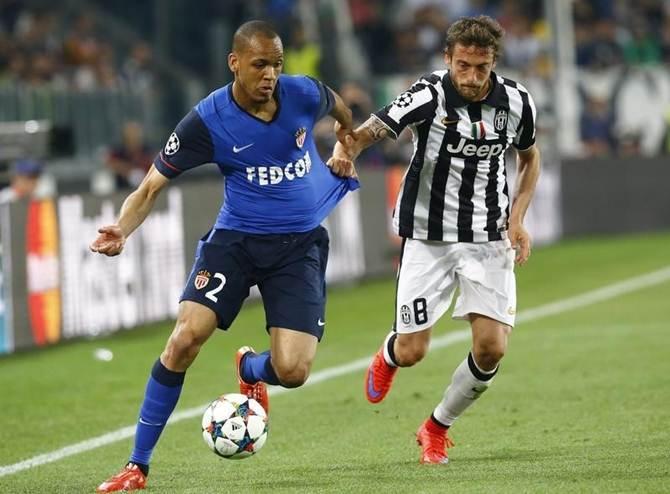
(130, 478)
(258, 391)
(378, 378)
(434, 442)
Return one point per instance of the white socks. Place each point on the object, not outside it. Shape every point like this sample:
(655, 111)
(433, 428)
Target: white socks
(467, 384)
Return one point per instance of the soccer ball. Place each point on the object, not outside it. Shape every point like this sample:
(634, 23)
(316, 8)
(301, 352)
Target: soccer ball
(235, 426)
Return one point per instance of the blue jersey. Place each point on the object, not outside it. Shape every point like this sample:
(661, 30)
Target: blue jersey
(275, 181)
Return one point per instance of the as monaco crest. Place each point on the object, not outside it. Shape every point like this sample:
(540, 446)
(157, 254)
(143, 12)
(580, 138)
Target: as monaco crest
(300, 135)
(201, 279)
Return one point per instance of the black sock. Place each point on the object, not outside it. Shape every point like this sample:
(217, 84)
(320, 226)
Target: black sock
(143, 468)
(437, 422)
(389, 348)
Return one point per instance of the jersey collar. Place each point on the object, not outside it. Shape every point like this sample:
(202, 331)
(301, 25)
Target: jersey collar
(275, 95)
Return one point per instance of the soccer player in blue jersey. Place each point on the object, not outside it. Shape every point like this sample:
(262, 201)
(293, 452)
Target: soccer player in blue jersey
(258, 130)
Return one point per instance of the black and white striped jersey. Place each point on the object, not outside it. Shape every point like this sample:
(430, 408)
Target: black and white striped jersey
(455, 188)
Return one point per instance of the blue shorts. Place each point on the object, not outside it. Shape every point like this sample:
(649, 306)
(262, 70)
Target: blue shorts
(289, 269)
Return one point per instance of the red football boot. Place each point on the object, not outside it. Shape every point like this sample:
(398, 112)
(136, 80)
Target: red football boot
(378, 378)
(258, 391)
(130, 478)
(434, 441)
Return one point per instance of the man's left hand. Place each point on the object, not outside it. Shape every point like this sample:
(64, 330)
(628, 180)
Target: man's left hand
(520, 240)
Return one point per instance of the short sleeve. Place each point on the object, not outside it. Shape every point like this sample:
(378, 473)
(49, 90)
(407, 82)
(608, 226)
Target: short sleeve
(413, 106)
(326, 99)
(190, 145)
(525, 135)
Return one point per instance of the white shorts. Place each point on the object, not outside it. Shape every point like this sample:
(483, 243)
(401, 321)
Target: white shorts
(430, 272)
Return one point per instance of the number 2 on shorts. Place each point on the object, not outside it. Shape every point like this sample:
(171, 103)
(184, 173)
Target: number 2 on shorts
(212, 293)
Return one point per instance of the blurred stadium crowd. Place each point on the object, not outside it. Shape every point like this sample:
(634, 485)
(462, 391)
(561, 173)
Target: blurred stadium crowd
(40, 45)
(137, 58)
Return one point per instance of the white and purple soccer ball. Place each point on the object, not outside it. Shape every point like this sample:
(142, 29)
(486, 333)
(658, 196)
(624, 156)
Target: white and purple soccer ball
(235, 426)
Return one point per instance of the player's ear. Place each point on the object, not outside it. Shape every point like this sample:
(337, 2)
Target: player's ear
(447, 57)
(233, 62)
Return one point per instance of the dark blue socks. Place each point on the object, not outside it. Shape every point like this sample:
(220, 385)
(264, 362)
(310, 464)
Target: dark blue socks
(160, 398)
(258, 367)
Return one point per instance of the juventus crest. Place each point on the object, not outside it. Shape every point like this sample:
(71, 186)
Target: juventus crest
(500, 120)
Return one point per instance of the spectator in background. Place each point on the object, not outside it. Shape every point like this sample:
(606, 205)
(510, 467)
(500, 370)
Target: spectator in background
(597, 122)
(665, 38)
(25, 175)
(302, 56)
(358, 100)
(137, 70)
(408, 53)
(643, 46)
(430, 24)
(130, 160)
(373, 32)
(522, 45)
(597, 45)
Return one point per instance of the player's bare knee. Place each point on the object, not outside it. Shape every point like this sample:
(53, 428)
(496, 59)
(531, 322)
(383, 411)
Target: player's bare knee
(292, 376)
(488, 354)
(410, 351)
(182, 347)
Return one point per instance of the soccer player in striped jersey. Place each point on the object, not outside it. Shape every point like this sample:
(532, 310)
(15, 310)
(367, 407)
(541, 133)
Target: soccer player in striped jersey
(460, 229)
(258, 130)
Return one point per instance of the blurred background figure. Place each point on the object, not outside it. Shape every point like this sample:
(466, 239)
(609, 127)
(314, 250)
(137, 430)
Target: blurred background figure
(597, 127)
(24, 180)
(302, 56)
(131, 158)
(138, 71)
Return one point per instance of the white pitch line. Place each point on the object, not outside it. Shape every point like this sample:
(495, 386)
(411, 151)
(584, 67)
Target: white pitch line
(578, 301)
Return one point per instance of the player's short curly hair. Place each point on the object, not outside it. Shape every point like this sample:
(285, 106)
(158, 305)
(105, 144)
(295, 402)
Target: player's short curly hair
(481, 31)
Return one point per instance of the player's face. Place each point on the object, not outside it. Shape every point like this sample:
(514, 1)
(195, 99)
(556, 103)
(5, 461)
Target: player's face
(470, 70)
(257, 67)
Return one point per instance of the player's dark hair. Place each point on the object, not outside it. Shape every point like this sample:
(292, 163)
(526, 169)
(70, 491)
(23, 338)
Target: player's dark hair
(481, 31)
(251, 29)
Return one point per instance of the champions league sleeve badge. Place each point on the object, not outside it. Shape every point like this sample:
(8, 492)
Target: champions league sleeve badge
(300, 135)
(172, 145)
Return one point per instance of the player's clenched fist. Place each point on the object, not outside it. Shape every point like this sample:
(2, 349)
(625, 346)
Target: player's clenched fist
(110, 241)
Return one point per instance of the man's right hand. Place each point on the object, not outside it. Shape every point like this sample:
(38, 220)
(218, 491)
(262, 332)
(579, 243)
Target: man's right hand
(110, 241)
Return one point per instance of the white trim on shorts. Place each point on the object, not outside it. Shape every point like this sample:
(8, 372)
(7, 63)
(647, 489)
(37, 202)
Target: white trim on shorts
(431, 271)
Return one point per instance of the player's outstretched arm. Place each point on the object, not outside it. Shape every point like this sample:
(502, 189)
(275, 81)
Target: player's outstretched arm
(367, 134)
(135, 209)
(528, 171)
(342, 114)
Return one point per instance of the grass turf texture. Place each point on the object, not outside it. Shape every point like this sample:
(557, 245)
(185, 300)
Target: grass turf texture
(582, 402)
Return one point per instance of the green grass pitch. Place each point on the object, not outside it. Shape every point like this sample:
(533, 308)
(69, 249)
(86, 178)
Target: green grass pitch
(582, 402)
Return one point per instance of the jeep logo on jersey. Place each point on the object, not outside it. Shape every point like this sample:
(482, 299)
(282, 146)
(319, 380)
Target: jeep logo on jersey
(300, 135)
(272, 175)
(483, 151)
(201, 279)
(172, 145)
(500, 120)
